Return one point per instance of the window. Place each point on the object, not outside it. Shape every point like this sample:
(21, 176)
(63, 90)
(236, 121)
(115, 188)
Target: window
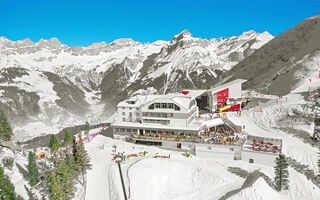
(130, 114)
(170, 105)
(137, 108)
(157, 105)
(176, 107)
(137, 114)
(151, 107)
(130, 108)
(123, 113)
(123, 119)
(231, 149)
(251, 160)
(209, 147)
(163, 105)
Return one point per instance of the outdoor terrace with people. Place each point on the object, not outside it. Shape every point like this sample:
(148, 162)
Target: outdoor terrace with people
(260, 144)
(221, 136)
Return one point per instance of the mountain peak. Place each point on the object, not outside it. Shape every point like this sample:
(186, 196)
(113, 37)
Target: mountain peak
(183, 34)
(52, 42)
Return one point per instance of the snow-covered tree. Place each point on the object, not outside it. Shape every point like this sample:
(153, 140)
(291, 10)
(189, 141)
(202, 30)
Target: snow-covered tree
(281, 173)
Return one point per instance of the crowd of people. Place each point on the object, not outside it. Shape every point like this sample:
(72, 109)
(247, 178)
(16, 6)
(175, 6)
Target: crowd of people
(262, 146)
(218, 135)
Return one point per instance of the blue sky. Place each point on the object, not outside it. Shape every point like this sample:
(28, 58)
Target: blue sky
(84, 22)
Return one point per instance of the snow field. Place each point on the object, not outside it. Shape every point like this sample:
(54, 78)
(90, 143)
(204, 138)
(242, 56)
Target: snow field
(154, 178)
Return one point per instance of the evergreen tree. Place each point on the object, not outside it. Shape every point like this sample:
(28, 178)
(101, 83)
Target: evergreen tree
(54, 143)
(6, 187)
(88, 127)
(5, 129)
(281, 171)
(82, 160)
(55, 188)
(67, 139)
(66, 175)
(316, 131)
(33, 169)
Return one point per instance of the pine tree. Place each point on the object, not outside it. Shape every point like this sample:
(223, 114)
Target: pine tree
(33, 169)
(316, 130)
(54, 143)
(88, 127)
(55, 188)
(281, 171)
(66, 175)
(6, 187)
(81, 157)
(67, 139)
(5, 129)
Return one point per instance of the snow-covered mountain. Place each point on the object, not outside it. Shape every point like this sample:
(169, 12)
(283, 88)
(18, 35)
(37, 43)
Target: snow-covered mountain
(285, 62)
(48, 85)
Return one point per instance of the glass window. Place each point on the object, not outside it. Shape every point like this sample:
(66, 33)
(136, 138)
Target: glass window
(251, 160)
(137, 114)
(163, 105)
(157, 105)
(123, 113)
(170, 105)
(176, 107)
(151, 107)
(123, 119)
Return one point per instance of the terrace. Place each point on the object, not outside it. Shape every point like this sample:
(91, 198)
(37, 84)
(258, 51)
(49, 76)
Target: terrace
(261, 144)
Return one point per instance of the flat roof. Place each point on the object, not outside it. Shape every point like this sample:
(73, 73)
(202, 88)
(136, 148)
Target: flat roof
(212, 123)
(194, 93)
(226, 85)
(180, 99)
(154, 126)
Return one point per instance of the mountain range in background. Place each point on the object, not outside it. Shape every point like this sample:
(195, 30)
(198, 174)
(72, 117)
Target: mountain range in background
(47, 85)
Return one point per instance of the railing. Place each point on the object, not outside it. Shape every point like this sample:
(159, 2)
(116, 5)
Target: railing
(199, 141)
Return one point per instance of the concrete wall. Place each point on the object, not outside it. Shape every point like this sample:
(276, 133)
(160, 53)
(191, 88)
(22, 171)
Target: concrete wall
(127, 111)
(235, 91)
(222, 152)
(259, 157)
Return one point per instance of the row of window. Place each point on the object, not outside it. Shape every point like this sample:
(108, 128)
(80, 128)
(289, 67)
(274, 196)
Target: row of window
(224, 94)
(123, 108)
(123, 130)
(162, 115)
(164, 106)
(163, 122)
(130, 114)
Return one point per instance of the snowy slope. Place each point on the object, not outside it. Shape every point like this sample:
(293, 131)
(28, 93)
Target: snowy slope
(49, 84)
